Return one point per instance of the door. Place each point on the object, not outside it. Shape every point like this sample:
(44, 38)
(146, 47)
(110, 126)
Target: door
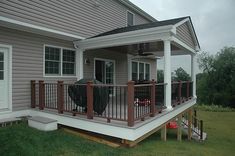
(4, 76)
(104, 71)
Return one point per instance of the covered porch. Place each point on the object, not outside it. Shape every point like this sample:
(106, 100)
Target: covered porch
(143, 44)
(131, 109)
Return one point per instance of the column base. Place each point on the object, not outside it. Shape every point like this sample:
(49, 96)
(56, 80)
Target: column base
(169, 107)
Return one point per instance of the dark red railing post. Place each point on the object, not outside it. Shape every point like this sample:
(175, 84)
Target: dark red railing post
(89, 100)
(41, 95)
(33, 94)
(60, 96)
(130, 96)
(201, 129)
(180, 92)
(153, 100)
(188, 84)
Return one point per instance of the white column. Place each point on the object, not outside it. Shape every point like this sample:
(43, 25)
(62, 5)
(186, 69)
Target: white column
(156, 71)
(129, 66)
(79, 64)
(167, 73)
(193, 73)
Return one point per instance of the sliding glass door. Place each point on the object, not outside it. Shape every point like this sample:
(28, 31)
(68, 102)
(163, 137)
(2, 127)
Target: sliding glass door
(104, 71)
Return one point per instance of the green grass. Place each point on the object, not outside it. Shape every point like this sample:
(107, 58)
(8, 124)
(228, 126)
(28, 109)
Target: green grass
(213, 108)
(220, 126)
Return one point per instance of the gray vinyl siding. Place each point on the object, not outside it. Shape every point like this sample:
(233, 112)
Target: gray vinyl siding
(79, 17)
(27, 62)
(183, 33)
(121, 67)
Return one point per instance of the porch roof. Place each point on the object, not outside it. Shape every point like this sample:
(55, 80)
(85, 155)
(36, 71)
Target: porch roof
(146, 33)
(141, 26)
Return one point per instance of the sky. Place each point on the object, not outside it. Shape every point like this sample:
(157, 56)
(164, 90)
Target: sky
(213, 20)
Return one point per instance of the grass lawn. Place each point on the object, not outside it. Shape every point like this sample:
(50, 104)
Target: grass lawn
(220, 127)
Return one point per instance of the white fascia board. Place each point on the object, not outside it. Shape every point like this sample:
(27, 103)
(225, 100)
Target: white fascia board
(181, 22)
(183, 45)
(14, 24)
(126, 38)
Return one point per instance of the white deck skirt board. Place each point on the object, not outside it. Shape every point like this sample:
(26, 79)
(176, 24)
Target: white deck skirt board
(15, 114)
(124, 132)
(110, 129)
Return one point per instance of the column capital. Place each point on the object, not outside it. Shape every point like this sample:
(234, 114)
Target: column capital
(167, 39)
(193, 54)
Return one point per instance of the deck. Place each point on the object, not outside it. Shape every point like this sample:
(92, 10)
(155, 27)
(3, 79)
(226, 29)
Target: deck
(130, 111)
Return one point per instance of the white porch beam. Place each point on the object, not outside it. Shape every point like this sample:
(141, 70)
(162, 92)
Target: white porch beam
(79, 63)
(126, 38)
(193, 73)
(167, 73)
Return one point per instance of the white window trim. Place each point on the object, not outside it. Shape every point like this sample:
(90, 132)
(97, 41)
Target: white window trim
(128, 11)
(61, 62)
(138, 69)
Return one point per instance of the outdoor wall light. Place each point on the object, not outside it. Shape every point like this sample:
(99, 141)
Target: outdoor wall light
(87, 61)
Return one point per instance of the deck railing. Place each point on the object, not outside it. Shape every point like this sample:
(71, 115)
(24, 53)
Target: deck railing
(181, 92)
(128, 103)
(197, 124)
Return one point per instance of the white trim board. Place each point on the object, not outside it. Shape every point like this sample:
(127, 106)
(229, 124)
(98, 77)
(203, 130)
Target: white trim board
(14, 24)
(9, 47)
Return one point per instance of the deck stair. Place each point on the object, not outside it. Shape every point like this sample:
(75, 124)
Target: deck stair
(197, 129)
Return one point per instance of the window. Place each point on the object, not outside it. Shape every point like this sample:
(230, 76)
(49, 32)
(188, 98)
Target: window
(1, 66)
(68, 62)
(59, 61)
(140, 71)
(52, 61)
(134, 71)
(147, 71)
(130, 18)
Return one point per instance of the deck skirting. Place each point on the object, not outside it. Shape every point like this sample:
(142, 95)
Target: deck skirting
(111, 129)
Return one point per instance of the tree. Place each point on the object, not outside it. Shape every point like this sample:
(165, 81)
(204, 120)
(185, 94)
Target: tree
(180, 75)
(217, 83)
(160, 76)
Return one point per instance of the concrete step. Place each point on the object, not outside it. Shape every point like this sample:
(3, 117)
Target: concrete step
(42, 123)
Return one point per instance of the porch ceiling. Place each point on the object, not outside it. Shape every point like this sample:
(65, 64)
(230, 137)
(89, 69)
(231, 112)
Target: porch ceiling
(156, 48)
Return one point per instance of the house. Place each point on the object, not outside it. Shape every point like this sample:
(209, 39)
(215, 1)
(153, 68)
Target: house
(55, 43)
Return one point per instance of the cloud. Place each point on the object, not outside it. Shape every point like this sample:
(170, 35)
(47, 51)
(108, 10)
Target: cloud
(214, 20)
